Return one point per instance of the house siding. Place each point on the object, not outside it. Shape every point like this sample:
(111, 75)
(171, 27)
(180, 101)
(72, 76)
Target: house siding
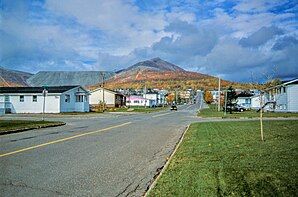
(52, 104)
(72, 105)
(112, 99)
(292, 98)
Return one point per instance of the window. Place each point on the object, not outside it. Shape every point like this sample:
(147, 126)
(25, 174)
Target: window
(135, 101)
(34, 98)
(79, 98)
(67, 98)
(127, 101)
(6, 98)
(22, 98)
(284, 89)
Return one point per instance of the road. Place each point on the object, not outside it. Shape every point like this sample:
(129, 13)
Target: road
(92, 155)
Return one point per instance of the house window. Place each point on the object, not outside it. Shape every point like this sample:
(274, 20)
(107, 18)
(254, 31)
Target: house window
(79, 98)
(127, 101)
(34, 98)
(22, 98)
(284, 89)
(67, 98)
(136, 101)
(6, 98)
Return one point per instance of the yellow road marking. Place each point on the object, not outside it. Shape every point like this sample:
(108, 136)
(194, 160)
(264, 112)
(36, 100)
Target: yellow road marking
(160, 115)
(63, 139)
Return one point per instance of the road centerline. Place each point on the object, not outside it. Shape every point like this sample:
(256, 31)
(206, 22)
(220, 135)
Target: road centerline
(63, 139)
(155, 116)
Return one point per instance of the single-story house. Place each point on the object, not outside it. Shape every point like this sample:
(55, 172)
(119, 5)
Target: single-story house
(284, 96)
(52, 99)
(244, 99)
(111, 98)
(134, 100)
(152, 97)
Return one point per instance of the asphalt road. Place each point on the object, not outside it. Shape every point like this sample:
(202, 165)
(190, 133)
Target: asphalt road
(92, 155)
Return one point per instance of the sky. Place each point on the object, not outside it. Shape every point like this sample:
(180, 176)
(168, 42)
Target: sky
(238, 40)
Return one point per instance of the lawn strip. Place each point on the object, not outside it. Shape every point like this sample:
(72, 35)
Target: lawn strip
(14, 126)
(212, 112)
(228, 159)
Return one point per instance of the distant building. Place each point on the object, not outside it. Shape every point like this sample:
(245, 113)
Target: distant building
(244, 99)
(31, 99)
(111, 98)
(134, 100)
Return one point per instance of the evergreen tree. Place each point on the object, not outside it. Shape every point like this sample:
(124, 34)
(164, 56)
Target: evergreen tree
(231, 98)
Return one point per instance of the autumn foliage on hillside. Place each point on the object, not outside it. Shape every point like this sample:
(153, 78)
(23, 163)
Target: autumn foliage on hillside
(170, 80)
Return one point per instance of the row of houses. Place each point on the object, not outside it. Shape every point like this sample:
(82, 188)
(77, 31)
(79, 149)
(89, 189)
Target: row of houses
(57, 99)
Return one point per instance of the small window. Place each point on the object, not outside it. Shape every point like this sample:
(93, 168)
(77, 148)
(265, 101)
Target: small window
(34, 98)
(127, 101)
(79, 98)
(67, 98)
(22, 98)
(284, 89)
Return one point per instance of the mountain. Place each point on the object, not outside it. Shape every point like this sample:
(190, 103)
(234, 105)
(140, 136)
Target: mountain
(12, 78)
(66, 78)
(155, 64)
(157, 73)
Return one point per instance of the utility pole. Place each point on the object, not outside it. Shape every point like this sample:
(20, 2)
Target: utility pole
(226, 97)
(261, 116)
(218, 109)
(145, 96)
(103, 92)
(44, 94)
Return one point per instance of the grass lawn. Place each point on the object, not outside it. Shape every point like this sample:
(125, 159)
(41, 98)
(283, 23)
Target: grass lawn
(12, 125)
(211, 112)
(229, 159)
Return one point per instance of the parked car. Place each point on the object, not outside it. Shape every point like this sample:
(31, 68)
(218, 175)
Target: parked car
(235, 107)
(173, 107)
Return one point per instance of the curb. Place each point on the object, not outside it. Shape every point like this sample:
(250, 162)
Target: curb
(167, 163)
(27, 129)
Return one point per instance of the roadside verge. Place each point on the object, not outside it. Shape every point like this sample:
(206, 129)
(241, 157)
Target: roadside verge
(15, 126)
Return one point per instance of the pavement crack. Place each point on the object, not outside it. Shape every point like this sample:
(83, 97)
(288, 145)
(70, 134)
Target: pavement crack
(125, 189)
(24, 185)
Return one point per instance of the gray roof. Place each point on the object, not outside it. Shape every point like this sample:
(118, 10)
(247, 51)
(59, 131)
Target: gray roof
(50, 89)
(65, 78)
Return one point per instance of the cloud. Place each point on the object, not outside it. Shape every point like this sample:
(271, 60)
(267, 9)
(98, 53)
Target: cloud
(222, 38)
(260, 37)
(284, 42)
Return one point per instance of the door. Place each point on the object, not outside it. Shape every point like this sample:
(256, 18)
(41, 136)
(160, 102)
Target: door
(7, 104)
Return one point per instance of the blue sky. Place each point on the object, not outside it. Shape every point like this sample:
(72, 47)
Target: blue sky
(244, 40)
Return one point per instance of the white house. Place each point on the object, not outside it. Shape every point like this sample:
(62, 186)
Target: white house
(111, 98)
(134, 100)
(244, 100)
(55, 99)
(152, 98)
(284, 96)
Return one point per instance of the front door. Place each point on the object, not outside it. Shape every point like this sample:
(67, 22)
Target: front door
(7, 104)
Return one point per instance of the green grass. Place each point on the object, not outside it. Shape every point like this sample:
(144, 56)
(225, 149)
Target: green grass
(229, 159)
(211, 112)
(7, 126)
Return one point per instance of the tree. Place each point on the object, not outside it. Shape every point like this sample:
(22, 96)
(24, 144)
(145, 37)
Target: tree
(208, 97)
(170, 98)
(231, 98)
